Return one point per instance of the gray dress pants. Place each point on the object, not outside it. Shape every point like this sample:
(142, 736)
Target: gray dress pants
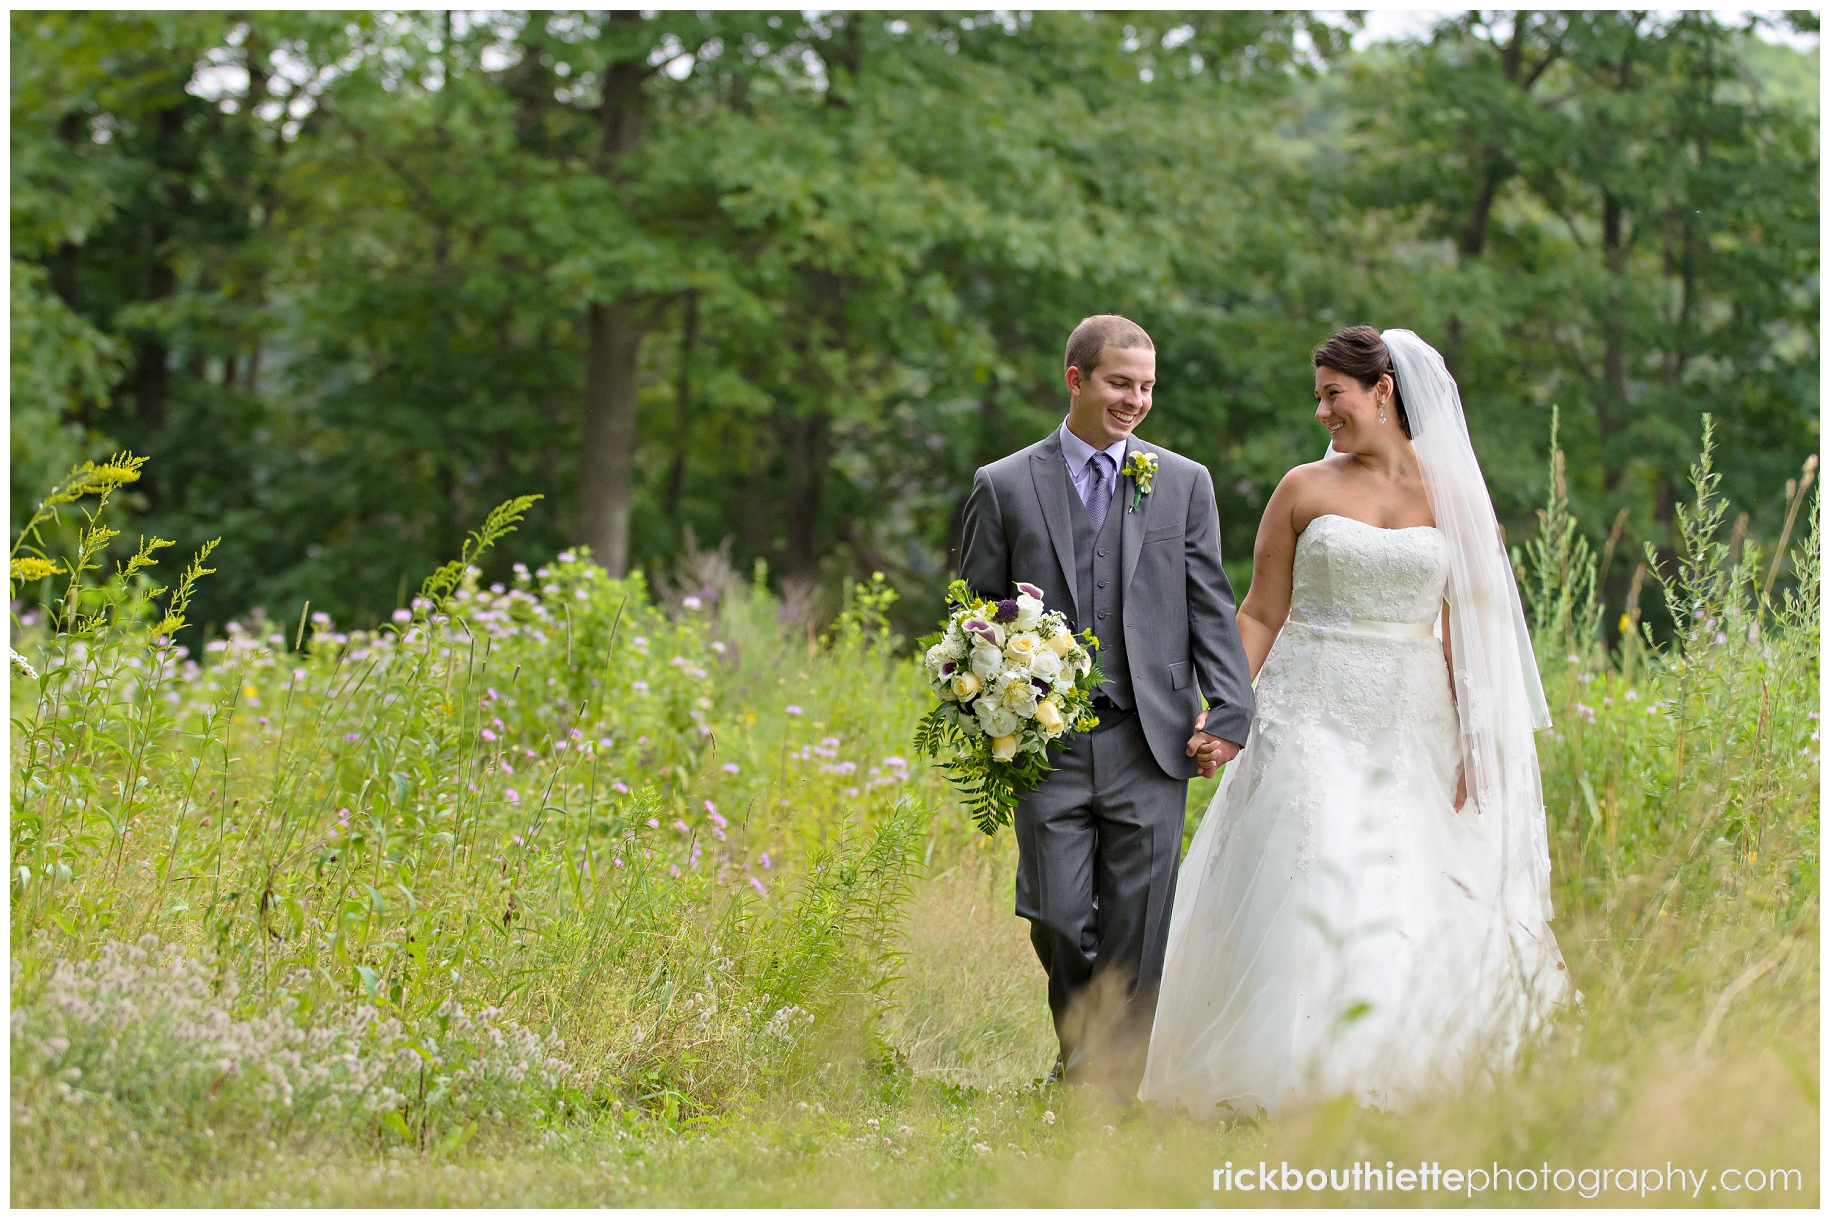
(1099, 843)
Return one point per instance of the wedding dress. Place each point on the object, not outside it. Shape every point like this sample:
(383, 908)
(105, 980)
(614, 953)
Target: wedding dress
(1338, 926)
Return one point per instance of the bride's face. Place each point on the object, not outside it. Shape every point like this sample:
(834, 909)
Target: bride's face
(1350, 411)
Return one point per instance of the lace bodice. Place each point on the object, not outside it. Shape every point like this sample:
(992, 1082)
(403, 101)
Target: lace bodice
(1347, 569)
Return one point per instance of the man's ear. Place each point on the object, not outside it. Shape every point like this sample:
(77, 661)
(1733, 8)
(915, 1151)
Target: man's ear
(1074, 382)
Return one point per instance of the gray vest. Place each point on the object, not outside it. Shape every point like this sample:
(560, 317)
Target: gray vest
(1100, 585)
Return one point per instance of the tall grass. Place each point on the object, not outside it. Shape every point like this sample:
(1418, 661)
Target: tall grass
(540, 880)
(674, 840)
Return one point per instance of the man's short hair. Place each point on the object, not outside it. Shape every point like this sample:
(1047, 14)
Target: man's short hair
(1095, 334)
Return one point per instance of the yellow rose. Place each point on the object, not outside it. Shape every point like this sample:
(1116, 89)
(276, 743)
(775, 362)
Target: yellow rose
(1061, 644)
(1048, 715)
(1004, 748)
(1022, 647)
(966, 684)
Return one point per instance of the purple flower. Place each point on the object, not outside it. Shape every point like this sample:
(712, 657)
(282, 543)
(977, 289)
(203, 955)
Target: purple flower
(791, 709)
(680, 825)
(514, 797)
(620, 787)
(654, 823)
(606, 742)
(1007, 611)
(765, 860)
(1029, 590)
(730, 768)
(401, 615)
(759, 886)
(981, 628)
(352, 736)
(673, 869)
(617, 860)
(488, 735)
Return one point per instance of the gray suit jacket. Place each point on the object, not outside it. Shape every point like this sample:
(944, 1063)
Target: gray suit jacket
(1180, 636)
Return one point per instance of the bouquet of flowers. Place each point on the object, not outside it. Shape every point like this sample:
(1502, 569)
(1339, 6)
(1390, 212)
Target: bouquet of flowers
(1010, 678)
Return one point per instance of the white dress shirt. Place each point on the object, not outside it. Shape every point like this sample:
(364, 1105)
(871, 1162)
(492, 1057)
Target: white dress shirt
(1079, 456)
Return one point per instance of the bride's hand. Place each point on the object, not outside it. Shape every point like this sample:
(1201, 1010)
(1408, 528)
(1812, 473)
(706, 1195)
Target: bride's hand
(1461, 790)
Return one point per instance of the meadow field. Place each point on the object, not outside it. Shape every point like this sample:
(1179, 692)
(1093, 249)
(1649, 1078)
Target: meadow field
(571, 890)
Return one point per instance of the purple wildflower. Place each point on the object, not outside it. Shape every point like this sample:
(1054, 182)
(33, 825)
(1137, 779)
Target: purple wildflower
(759, 886)
(1007, 611)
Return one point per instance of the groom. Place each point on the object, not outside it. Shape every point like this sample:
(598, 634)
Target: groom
(1100, 840)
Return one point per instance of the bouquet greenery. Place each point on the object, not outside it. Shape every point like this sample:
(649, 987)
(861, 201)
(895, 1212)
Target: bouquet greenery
(1010, 678)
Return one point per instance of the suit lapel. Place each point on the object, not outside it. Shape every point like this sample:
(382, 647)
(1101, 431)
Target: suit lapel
(1048, 469)
(1136, 523)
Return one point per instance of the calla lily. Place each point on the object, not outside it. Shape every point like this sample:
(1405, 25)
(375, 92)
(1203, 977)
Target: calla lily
(1029, 590)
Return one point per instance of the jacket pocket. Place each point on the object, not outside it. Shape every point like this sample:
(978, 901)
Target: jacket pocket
(1179, 675)
(1167, 533)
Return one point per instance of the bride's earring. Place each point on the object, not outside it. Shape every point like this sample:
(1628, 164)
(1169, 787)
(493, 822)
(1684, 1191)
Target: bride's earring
(1382, 412)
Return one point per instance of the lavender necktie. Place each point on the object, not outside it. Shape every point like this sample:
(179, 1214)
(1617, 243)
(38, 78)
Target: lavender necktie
(1099, 493)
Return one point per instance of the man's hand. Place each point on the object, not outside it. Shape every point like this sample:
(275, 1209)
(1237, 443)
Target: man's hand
(1209, 751)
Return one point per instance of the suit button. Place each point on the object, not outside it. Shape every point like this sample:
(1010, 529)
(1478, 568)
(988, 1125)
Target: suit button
(1102, 615)
(1102, 554)
(1103, 583)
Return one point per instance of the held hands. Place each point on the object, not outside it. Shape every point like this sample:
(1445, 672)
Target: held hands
(1461, 790)
(1209, 752)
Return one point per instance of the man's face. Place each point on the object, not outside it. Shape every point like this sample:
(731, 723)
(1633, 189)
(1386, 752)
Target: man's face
(1109, 402)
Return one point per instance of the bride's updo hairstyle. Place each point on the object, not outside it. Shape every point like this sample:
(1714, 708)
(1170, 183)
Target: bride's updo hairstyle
(1359, 352)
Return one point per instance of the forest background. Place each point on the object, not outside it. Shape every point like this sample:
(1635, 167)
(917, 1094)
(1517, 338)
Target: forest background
(350, 280)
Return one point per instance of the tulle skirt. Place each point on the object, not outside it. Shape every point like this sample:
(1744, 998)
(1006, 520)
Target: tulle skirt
(1339, 926)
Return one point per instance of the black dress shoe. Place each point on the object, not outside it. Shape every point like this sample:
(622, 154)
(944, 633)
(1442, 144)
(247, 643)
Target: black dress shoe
(1058, 1072)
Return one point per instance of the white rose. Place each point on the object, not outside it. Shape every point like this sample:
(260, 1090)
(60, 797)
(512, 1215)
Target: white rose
(1022, 648)
(1061, 644)
(995, 722)
(965, 685)
(1045, 664)
(986, 661)
(1029, 609)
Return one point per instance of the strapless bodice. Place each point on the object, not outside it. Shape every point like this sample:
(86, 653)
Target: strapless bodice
(1347, 570)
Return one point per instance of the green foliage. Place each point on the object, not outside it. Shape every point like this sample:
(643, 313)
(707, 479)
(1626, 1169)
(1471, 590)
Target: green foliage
(342, 303)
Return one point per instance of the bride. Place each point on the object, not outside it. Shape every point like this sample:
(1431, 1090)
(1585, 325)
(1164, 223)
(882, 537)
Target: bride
(1364, 908)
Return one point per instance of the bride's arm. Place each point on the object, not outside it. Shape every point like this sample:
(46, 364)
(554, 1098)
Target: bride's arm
(1267, 602)
(1448, 658)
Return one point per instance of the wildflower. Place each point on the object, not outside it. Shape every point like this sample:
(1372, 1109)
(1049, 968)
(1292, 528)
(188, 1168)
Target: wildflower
(717, 647)
(1632, 696)
(576, 735)
(566, 556)
(905, 1130)
(352, 736)
(401, 615)
(606, 742)
(765, 860)
(617, 860)
(640, 687)
(488, 735)
(759, 886)
(681, 826)
(513, 796)
(673, 869)
(506, 767)
(691, 603)
(620, 787)
(791, 709)
(730, 768)
(654, 823)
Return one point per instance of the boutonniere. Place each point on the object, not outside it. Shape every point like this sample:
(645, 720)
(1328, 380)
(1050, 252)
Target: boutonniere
(1141, 466)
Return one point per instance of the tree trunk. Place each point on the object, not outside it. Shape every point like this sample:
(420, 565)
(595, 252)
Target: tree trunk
(606, 461)
(808, 443)
(1611, 408)
(683, 425)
